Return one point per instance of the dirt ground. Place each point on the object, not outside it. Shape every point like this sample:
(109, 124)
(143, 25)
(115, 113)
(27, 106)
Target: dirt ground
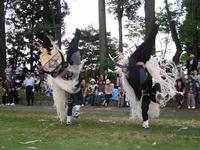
(112, 110)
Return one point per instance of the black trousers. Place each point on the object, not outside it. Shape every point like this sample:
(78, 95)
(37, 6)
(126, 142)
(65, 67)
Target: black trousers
(73, 99)
(146, 100)
(145, 107)
(29, 95)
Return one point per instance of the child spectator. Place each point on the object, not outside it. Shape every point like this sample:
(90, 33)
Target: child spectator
(191, 91)
(92, 91)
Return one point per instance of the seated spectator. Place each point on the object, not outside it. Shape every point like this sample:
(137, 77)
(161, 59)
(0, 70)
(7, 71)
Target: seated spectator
(121, 99)
(92, 91)
(191, 92)
(179, 97)
(101, 87)
(7, 97)
(109, 87)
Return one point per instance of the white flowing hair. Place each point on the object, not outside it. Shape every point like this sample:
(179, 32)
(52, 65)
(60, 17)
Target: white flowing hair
(157, 67)
(61, 87)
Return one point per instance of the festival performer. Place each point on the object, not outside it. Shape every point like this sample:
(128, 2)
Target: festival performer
(146, 83)
(59, 79)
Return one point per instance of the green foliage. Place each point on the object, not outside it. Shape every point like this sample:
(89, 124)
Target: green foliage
(136, 29)
(186, 28)
(183, 58)
(122, 8)
(25, 19)
(89, 48)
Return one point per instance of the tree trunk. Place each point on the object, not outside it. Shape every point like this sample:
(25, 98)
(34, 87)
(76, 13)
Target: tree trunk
(174, 34)
(149, 8)
(2, 39)
(119, 16)
(58, 25)
(102, 35)
(194, 28)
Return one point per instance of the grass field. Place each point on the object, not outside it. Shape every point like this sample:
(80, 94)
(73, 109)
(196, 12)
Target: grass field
(96, 131)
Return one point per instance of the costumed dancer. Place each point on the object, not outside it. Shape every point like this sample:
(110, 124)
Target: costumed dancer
(64, 77)
(139, 77)
(146, 80)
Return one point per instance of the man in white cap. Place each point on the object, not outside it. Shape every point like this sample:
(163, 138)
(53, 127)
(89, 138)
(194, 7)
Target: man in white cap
(191, 64)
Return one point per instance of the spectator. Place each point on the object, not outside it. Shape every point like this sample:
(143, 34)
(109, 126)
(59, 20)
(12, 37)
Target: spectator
(119, 80)
(191, 64)
(109, 87)
(180, 74)
(1, 81)
(196, 78)
(92, 91)
(101, 87)
(121, 100)
(7, 97)
(29, 84)
(179, 97)
(101, 83)
(84, 92)
(191, 91)
(106, 75)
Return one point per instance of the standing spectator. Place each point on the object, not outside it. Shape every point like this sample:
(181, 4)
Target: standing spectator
(84, 92)
(180, 74)
(179, 97)
(119, 80)
(109, 87)
(106, 75)
(29, 84)
(7, 97)
(92, 91)
(1, 81)
(191, 64)
(191, 91)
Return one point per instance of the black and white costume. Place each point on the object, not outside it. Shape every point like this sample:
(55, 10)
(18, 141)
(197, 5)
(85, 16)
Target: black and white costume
(68, 82)
(140, 69)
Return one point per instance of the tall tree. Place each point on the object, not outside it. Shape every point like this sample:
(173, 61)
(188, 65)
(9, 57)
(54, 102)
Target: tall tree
(189, 29)
(149, 9)
(194, 27)
(2, 39)
(174, 33)
(121, 8)
(102, 34)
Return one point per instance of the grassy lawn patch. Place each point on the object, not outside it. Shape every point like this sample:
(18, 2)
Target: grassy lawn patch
(39, 130)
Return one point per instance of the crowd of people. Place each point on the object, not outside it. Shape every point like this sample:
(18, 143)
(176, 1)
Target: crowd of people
(188, 86)
(20, 78)
(98, 90)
